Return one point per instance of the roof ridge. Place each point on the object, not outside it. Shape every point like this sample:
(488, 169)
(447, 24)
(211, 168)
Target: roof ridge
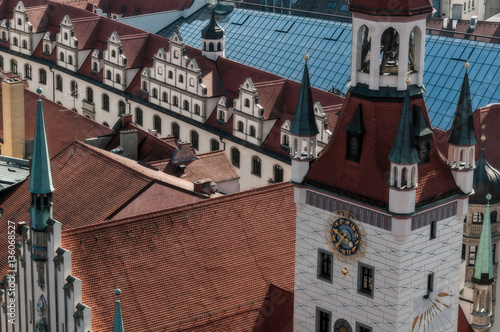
(199, 204)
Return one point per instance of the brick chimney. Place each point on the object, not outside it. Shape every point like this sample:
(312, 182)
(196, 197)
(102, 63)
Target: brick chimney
(13, 117)
(126, 119)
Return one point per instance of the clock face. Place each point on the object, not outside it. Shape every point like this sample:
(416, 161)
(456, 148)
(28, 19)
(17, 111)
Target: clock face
(344, 235)
(432, 313)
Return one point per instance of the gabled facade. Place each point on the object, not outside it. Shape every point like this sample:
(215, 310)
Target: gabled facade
(115, 64)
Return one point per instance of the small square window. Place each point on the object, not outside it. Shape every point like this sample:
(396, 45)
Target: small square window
(430, 283)
(365, 279)
(323, 320)
(325, 266)
(362, 327)
(433, 229)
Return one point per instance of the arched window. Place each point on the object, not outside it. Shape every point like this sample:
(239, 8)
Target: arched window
(191, 81)
(145, 85)
(186, 105)
(247, 102)
(42, 75)
(222, 115)
(70, 59)
(160, 71)
(74, 89)
(113, 53)
(90, 95)
(61, 56)
(1, 61)
(219, 46)
(105, 124)
(157, 123)
(477, 218)
(252, 131)
(59, 83)
(493, 216)
(197, 109)
(389, 52)
(181, 79)
(214, 145)
(27, 71)
(13, 66)
(94, 66)
(364, 40)
(19, 21)
(118, 79)
(121, 107)
(211, 47)
(4, 35)
(15, 42)
(176, 130)
(235, 157)
(204, 46)
(240, 126)
(170, 74)
(108, 74)
(65, 36)
(155, 93)
(47, 48)
(278, 173)
(256, 166)
(105, 102)
(176, 101)
(404, 177)
(25, 44)
(176, 54)
(195, 140)
(138, 116)
(165, 97)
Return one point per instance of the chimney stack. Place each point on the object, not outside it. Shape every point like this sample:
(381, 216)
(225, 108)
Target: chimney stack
(13, 117)
(129, 143)
(126, 119)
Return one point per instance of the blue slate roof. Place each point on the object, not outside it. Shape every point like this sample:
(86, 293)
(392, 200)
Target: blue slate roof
(275, 43)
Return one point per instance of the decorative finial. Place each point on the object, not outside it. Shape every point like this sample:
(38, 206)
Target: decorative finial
(39, 91)
(306, 56)
(467, 65)
(213, 3)
(488, 197)
(117, 292)
(408, 80)
(345, 271)
(177, 29)
(483, 138)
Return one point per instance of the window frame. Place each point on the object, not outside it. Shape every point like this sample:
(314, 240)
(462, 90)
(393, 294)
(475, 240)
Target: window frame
(322, 273)
(157, 123)
(139, 114)
(42, 76)
(472, 253)
(328, 313)
(256, 161)
(195, 139)
(235, 157)
(105, 102)
(360, 326)
(369, 289)
(433, 230)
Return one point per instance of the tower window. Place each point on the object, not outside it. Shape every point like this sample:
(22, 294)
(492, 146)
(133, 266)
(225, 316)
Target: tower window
(247, 102)
(323, 320)
(325, 266)
(365, 279)
(170, 74)
(197, 109)
(252, 131)
(186, 105)
(176, 101)
(61, 56)
(433, 229)
(15, 41)
(389, 52)
(118, 79)
(256, 166)
(365, 44)
(477, 218)
(219, 46)
(181, 79)
(65, 36)
(211, 47)
(354, 138)
(472, 255)
(278, 173)
(157, 123)
(108, 74)
(235, 157)
(70, 59)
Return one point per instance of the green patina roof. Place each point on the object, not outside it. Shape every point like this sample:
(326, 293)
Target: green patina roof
(462, 131)
(118, 322)
(41, 176)
(304, 122)
(356, 124)
(483, 268)
(403, 149)
(421, 126)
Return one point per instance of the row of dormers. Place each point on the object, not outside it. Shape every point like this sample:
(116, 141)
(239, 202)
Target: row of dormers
(174, 81)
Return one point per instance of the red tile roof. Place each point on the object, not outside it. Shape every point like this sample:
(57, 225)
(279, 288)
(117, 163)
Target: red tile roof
(368, 179)
(462, 30)
(463, 325)
(61, 123)
(486, 122)
(213, 165)
(391, 7)
(164, 263)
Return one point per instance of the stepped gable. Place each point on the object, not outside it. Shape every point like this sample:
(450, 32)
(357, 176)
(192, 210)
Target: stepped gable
(391, 7)
(368, 180)
(251, 233)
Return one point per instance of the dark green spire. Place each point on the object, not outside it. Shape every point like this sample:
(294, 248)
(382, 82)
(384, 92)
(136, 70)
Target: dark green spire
(483, 268)
(118, 322)
(462, 131)
(421, 126)
(212, 30)
(356, 124)
(304, 122)
(41, 176)
(403, 149)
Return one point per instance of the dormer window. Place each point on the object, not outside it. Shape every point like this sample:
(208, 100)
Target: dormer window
(222, 116)
(240, 126)
(165, 97)
(354, 138)
(422, 135)
(118, 79)
(94, 66)
(181, 79)
(176, 54)
(65, 36)
(145, 86)
(4, 35)
(15, 42)
(25, 44)
(61, 56)
(247, 102)
(252, 131)
(113, 54)
(170, 74)
(285, 141)
(47, 48)
(197, 109)
(70, 59)
(19, 22)
(155, 93)
(108, 75)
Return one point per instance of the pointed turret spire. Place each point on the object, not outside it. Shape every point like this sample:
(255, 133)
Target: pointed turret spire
(304, 122)
(462, 131)
(118, 322)
(41, 176)
(213, 30)
(483, 268)
(403, 149)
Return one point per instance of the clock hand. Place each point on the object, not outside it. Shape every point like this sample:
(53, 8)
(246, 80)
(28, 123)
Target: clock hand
(342, 238)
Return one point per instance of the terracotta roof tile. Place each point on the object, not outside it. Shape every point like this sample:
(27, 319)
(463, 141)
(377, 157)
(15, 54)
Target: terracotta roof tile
(391, 7)
(250, 233)
(368, 179)
(463, 325)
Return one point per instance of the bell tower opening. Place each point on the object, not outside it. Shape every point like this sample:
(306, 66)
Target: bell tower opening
(389, 52)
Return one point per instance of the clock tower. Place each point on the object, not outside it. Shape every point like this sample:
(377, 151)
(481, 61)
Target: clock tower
(379, 213)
